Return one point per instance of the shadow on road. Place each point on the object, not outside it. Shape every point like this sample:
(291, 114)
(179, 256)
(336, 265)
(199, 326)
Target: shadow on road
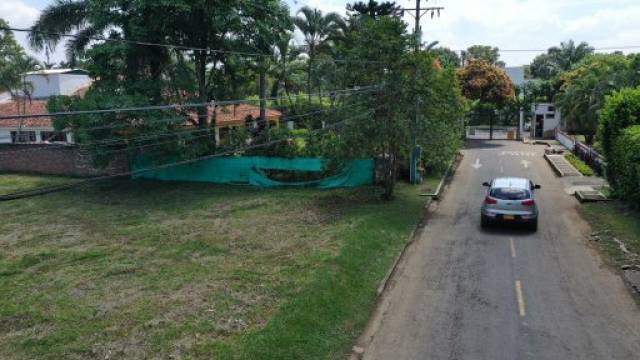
(508, 230)
(484, 144)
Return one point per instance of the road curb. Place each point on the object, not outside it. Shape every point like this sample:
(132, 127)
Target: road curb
(421, 225)
(359, 347)
(553, 166)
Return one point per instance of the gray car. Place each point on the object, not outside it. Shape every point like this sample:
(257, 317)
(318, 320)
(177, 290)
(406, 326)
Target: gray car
(510, 200)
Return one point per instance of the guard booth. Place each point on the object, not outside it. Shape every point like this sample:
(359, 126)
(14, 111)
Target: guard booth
(546, 119)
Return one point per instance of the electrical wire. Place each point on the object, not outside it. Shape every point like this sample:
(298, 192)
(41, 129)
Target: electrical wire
(48, 190)
(168, 46)
(124, 141)
(354, 90)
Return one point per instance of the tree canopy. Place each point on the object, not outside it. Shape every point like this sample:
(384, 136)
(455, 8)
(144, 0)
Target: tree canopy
(373, 8)
(14, 62)
(559, 59)
(485, 53)
(486, 82)
(584, 89)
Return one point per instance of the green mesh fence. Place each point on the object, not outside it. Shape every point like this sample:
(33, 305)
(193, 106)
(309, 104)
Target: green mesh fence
(251, 170)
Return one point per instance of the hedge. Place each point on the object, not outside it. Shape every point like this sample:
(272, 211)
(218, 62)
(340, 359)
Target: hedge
(626, 160)
(621, 110)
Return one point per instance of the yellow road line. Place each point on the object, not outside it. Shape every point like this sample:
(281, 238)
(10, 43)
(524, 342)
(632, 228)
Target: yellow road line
(513, 247)
(520, 298)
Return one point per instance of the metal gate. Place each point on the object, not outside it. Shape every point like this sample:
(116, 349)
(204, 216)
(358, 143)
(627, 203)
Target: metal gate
(487, 132)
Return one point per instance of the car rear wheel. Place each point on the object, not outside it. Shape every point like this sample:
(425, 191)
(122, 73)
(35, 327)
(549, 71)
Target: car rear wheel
(484, 222)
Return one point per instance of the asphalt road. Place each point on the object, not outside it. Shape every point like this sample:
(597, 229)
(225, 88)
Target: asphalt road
(464, 293)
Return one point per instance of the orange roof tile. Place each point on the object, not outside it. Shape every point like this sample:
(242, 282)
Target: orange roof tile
(236, 115)
(30, 107)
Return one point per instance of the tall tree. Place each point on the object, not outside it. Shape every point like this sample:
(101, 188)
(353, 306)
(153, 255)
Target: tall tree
(14, 62)
(486, 82)
(124, 20)
(447, 57)
(285, 53)
(319, 31)
(267, 23)
(485, 53)
(386, 122)
(373, 8)
(559, 59)
(586, 87)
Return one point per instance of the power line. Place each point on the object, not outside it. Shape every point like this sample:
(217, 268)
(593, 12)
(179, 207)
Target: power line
(168, 46)
(48, 190)
(114, 141)
(354, 90)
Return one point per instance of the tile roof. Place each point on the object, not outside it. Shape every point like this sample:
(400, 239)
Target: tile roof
(226, 116)
(236, 115)
(32, 107)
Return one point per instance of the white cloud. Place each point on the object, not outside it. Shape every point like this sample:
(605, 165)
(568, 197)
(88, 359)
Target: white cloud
(20, 15)
(508, 24)
(17, 13)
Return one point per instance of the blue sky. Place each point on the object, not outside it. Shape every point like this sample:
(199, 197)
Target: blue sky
(508, 24)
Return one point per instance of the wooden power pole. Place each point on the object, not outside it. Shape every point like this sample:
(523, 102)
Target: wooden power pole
(419, 13)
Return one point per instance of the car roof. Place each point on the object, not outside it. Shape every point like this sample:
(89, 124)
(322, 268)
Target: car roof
(511, 182)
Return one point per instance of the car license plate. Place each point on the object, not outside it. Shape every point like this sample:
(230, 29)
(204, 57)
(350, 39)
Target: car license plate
(509, 217)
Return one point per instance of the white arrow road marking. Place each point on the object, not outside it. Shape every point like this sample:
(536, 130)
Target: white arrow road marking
(477, 165)
(525, 163)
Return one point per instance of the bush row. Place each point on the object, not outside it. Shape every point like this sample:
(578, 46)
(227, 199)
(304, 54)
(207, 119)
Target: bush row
(619, 132)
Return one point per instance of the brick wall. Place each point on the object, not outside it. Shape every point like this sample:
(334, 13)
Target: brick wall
(52, 160)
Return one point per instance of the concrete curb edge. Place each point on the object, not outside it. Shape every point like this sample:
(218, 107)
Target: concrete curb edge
(553, 166)
(419, 227)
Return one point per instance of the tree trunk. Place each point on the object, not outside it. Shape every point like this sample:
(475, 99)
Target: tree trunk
(201, 72)
(389, 177)
(263, 99)
(309, 69)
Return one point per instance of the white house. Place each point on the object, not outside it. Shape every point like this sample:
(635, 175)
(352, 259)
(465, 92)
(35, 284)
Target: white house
(39, 129)
(546, 119)
(52, 82)
(28, 130)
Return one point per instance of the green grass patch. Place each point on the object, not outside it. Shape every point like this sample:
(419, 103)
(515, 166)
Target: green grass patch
(136, 269)
(580, 165)
(615, 220)
(17, 183)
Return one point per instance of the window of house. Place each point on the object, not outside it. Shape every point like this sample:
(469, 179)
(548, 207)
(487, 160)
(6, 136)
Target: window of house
(552, 109)
(24, 137)
(53, 136)
(551, 116)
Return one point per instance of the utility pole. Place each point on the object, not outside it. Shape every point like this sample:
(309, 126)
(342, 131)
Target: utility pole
(419, 13)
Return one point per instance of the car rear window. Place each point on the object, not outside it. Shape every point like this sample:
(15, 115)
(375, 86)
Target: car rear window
(510, 194)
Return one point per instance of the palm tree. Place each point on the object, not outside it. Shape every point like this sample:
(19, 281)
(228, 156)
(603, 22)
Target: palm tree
(62, 17)
(284, 53)
(568, 54)
(319, 31)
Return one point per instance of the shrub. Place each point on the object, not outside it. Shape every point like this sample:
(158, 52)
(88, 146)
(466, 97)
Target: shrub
(621, 110)
(626, 161)
(584, 169)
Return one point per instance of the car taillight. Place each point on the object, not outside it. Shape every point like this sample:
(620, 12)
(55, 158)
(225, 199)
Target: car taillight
(529, 202)
(490, 200)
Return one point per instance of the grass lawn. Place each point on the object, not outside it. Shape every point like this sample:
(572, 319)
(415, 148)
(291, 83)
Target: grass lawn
(614, 220)
(18, 183)
(132, 270)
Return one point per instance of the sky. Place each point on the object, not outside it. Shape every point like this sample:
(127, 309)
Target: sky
(507, 24)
